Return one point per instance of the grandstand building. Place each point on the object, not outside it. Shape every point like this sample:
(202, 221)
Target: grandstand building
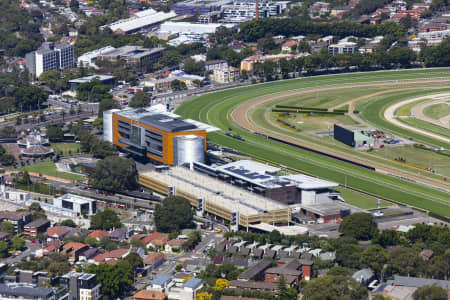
(157, 134)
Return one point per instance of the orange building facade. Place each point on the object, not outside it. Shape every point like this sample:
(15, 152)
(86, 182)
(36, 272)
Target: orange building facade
(153, 135)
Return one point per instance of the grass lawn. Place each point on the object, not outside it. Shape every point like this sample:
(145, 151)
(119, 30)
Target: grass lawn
(437, 111)
(405, 110)
(49, 168)
(360, 200)
(418, 157)
(66, 149)
(216, 108)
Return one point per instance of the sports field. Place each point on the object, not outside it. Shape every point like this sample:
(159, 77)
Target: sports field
(216, 109)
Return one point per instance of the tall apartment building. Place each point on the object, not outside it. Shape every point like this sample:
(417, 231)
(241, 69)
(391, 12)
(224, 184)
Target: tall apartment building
(50, 57)
(245, 10)
(82, 286)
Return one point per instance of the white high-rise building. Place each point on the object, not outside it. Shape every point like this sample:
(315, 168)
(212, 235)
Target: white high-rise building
(51, 57)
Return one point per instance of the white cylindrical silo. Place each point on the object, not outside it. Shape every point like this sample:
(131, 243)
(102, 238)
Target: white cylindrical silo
(107, 126)
(188, 149)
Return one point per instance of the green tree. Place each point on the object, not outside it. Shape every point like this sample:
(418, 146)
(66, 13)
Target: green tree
(386, 238)
(275, 236)
(173, 214)
(375, 257)
(114, 173)
(7, 227)
(106, 104)
(193, 67)
(58, 268)
(430, 292)
(137, 243)
(107, 244)
(114, 279)
(105, 220)
(284, 292)
(3, 249)
(8, 132)
(55, 133)
(360, 226)
(134, 260)
(68, 223)
(349, 255)
(403, 261)
(334, 288)
(17, 243)
(140, 99)
(177, 85)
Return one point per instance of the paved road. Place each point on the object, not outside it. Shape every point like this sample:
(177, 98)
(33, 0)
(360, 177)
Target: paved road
(88, 107)
(50, 120)
(389, 116)
(30, 249)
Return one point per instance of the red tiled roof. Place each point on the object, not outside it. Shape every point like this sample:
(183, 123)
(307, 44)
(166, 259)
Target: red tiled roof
(98, 234)
(150, 295)
(100, 258)
(57, 231)
(175, 242)
(290, 44)
(75, 246)
(155, 236)
(153, 258)
(118, 253)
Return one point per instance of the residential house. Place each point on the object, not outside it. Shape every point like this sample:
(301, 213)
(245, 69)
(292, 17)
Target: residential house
(89, 254)
(256, 272)
(161, 282)
(120, 234)
(111, 256)
(364, 276)
(174, 245)
(192, 285)
(98, 234)
(58, 232)
(289, 46)
(402, 287)
(150, 295)
(154, 260)
(74, 250)
(155, 240)
(36, 227)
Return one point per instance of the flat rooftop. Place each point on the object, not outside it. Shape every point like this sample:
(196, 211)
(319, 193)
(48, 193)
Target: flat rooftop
(158, 117)
(76, 199)
(266, 176)
(218, 192)
(133, 51)
(90, 78)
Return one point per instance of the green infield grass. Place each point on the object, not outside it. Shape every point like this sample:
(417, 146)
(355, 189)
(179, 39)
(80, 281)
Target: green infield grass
(437, 111)
(405, 110)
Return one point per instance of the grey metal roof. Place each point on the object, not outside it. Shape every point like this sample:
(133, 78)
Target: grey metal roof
(419, 282)
(37, 223)
(364, 274)
(193, 283)
(161, 280)
(167, 124)
(24, 290)
(251, 272)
